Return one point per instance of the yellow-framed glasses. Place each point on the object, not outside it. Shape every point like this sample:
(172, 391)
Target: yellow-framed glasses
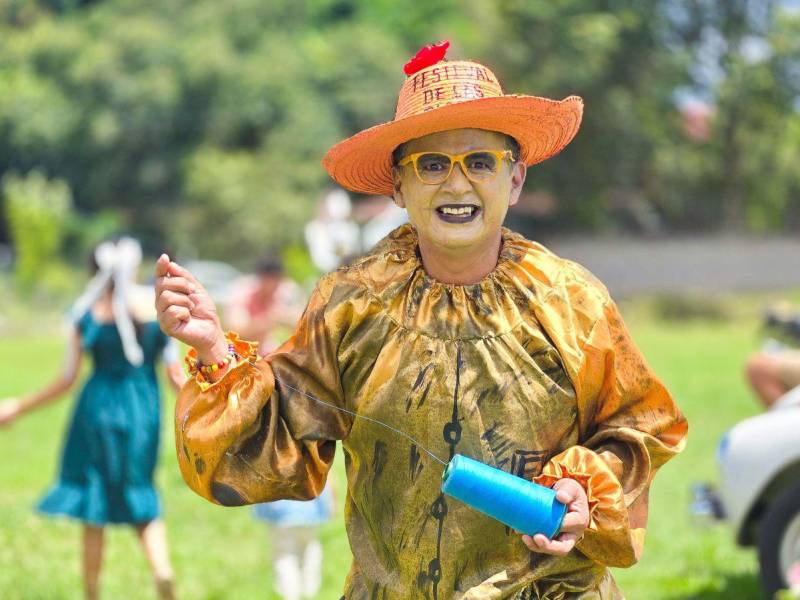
(477, 165)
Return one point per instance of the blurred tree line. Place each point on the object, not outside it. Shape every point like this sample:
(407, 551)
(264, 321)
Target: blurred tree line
(200, 125)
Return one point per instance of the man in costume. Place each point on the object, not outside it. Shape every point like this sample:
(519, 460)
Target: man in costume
(462, 334)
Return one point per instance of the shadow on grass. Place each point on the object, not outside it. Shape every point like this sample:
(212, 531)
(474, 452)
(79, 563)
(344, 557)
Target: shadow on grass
(729, 587)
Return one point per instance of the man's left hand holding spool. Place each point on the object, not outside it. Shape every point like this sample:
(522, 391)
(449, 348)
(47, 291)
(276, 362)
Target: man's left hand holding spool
(570, 493)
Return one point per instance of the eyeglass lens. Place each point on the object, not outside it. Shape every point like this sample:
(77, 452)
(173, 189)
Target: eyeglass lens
(434, 167)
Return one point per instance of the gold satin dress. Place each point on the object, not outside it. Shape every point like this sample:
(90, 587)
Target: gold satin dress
(530, 370)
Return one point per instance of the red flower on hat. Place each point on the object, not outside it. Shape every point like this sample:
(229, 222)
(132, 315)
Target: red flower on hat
(427, 56)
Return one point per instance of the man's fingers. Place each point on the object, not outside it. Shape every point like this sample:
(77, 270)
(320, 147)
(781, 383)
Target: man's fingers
(162, 265)
(179, 313)
(528, 541)
(566, 495)
(559, 546)
(575, 522)
(168, 298)
(175, 284)
(562, 544)
(170, 321)
(169, 325)
(178, 271)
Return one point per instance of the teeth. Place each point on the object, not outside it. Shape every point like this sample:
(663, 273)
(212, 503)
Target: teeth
(464, 210)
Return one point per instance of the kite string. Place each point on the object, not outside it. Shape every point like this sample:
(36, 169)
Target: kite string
(366, 418)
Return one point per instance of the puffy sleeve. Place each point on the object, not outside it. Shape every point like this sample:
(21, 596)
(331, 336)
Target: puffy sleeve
(630, 426)
(256, 434)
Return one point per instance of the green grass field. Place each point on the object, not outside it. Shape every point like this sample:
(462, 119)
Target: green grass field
(223, 553)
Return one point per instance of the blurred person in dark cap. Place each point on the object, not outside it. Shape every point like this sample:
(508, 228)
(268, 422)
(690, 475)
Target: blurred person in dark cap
(264, 305)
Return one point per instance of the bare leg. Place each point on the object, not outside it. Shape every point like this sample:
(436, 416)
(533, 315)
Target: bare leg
(153, 536)
(764, 377)
(92, 560)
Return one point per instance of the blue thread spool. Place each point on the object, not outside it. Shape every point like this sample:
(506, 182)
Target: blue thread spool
(524, 506)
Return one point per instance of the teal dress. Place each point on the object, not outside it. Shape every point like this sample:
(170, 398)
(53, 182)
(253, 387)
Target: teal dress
(111, 449)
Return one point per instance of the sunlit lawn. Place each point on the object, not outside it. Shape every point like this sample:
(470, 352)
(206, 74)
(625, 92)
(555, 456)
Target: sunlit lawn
(223, 553)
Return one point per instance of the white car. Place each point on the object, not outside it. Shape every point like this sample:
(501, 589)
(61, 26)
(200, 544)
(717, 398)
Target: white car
(759, 492)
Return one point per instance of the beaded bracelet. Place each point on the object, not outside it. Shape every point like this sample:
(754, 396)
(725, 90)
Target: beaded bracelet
(194, 366)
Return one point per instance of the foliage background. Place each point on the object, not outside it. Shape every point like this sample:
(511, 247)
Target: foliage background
(200, 125)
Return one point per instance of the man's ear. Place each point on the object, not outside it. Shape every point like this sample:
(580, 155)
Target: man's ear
(397, 195)
(518, 172)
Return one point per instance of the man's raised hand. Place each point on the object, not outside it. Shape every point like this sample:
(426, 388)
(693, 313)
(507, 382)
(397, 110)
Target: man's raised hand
(186, 311)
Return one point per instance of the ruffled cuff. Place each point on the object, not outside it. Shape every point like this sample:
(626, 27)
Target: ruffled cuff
(608, 538)
(555, 471)
(246, 353)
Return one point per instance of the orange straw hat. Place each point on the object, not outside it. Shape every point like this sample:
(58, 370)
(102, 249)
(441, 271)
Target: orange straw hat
(440, 95)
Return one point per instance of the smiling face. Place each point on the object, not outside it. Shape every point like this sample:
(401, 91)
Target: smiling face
(458, 213)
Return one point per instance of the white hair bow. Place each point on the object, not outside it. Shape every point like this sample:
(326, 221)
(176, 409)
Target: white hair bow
(117, 262)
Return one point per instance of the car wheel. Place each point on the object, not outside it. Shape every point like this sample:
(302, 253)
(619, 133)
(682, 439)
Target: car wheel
(779, 540)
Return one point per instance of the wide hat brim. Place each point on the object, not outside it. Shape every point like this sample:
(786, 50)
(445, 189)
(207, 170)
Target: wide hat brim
(543, 127)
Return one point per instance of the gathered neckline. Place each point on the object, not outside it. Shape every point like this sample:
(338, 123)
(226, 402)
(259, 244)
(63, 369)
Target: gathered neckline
(493, 306)
(513, 247)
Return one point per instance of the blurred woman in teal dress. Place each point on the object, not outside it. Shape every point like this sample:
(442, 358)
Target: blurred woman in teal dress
(111, 447)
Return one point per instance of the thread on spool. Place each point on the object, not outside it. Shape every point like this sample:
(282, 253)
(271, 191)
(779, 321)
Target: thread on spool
(523, 505)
